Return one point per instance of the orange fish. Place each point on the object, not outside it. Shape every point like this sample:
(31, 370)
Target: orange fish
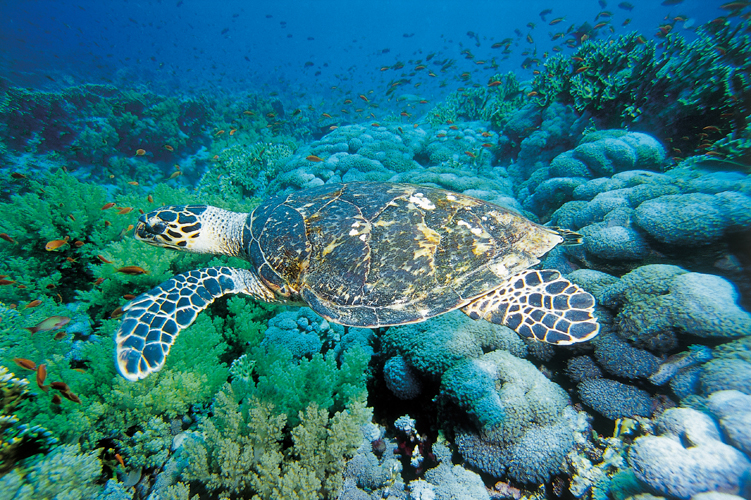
(124, 210)
(169, 148)
(440, 135)
(494, 83)
(50, 286)
(16, 175)
(174, 175)
(56, 399)
(375, 124)
(470, 154)
(103, 259)
(232, 131)
(711, 128)
(107, 223)
(132, 270)
(133, 183)
(55, 244)
(270, 115)
(333, 127)
(556, 21)
(7, 238)
(60, 386)
(116, 313)
(580, 70)
(51, 323)
(313, 158)
(78, 243)
(150, 199)
(487, 145)
(4, 282)
(70, 216)
(60, 335)
(249, 113)
(33, 303)
(26, 364)
(326, 115)
(453, 127)
(361, 96)
(69, 395)
(41, 375)
(129, 296)
(119, 459)
(140, 152)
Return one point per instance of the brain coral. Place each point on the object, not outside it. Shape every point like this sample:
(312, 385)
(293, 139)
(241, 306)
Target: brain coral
(659, 298)
(401, 379)
(581, 368)
(613, 399)
(619, 358)
(523, 418)
(688, 458)
(694, 218)
(435, 345)
(733, 411)
(607, 152)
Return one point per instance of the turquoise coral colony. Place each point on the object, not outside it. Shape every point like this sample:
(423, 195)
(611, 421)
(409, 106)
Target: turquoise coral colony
(615, 362)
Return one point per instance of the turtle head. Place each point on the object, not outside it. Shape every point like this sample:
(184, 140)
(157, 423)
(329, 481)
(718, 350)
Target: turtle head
(192, 228)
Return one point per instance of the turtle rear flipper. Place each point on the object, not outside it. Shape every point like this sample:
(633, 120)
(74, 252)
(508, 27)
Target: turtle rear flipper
(539, 305)
(153, 320)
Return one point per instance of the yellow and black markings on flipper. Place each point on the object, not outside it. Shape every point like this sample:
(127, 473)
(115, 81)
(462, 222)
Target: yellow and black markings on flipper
(540, 305)
(153, 320)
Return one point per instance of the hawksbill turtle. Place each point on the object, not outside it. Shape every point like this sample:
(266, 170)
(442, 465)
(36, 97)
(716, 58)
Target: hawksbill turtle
(360, 254)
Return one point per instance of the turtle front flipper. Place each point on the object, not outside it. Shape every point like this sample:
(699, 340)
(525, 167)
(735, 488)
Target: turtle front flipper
(153, 320)
(539, 305)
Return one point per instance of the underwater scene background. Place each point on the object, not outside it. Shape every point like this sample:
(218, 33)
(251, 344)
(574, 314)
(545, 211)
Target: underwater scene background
(625, 122)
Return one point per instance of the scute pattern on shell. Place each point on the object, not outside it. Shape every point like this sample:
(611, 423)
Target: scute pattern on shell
(374, 254)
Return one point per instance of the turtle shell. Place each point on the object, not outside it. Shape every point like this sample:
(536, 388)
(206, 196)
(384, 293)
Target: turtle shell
(374, 254)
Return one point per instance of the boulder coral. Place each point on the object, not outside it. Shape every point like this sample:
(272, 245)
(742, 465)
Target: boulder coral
(662, 299)
(599, 154)
(523, 421)
(434, 346)
(613, 399)
(688, 457)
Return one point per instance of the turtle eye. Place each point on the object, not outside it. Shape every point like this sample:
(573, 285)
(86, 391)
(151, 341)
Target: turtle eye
(155, 227)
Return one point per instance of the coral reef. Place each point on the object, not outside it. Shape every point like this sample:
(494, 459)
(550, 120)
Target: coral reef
(613, 399)
(696, 304)
(240, 449)
(688, 457)
(523, 419)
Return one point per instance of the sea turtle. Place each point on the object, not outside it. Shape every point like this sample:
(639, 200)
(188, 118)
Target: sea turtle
(361, 254)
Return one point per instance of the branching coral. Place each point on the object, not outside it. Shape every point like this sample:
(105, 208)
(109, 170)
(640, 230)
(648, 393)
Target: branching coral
(241, 450)
(492, 103)
(630, 79)
(17, 440)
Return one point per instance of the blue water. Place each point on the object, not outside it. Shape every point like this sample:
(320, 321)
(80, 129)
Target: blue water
(195, 46)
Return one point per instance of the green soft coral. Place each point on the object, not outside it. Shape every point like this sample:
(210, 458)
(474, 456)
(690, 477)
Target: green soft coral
(65, 474)
(241, 170)
(290, 385)
(241, 449)
(493, 104)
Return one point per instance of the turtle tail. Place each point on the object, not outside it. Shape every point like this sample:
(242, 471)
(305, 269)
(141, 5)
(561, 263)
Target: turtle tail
(154, 319)
(570, 238)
